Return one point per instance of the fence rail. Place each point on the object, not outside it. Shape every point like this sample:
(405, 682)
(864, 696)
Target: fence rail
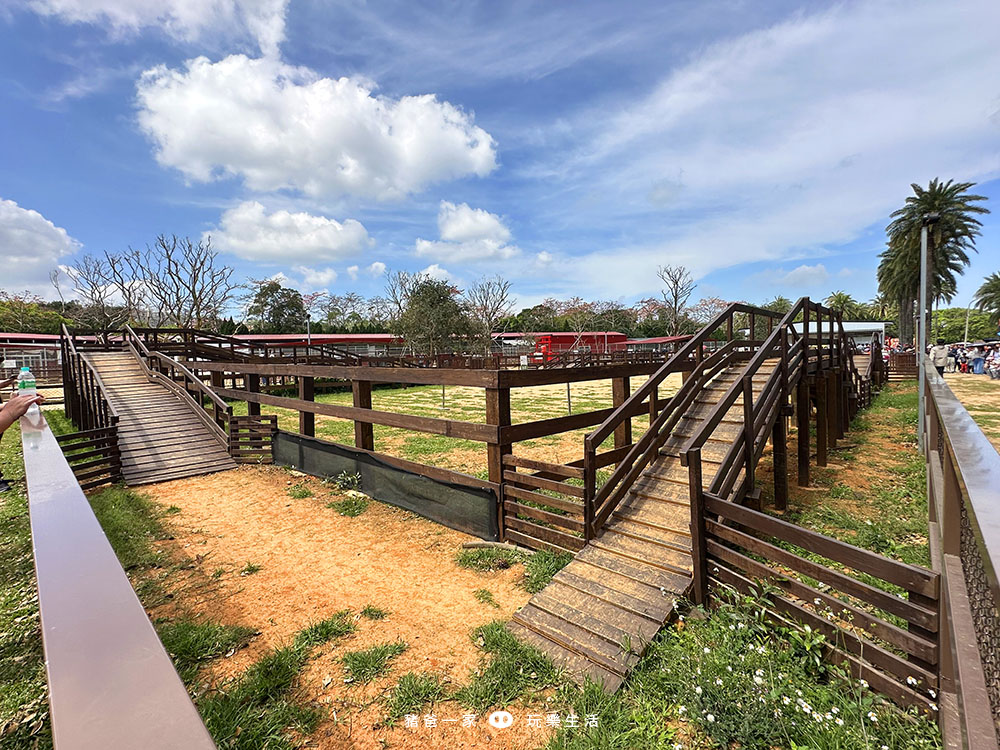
(964, 509)
(111, 683)
(94, 456)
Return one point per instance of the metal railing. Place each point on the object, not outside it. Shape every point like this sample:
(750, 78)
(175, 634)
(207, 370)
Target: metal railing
(963, 490)
(111, 683)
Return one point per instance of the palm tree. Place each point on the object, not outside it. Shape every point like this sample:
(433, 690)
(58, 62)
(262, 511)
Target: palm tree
(843, 303)
(949, 239)
(880, 307)
(988, 296)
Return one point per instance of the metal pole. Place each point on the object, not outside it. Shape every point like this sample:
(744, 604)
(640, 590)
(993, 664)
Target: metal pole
(968, 311)
(921, 334)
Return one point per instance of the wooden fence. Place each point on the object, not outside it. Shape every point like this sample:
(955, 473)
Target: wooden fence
(251, 438)
(93, 455)
(963, 470)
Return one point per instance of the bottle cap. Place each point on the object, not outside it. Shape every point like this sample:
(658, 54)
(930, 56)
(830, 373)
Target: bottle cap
(25, 369)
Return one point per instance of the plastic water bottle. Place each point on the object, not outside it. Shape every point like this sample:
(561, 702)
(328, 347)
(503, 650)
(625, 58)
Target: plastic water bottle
(26, 387)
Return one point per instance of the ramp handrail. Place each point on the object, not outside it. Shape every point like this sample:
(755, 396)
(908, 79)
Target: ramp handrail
(85, 395)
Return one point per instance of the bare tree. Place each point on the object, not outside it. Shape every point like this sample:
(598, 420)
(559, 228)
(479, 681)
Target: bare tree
(96, 290)
(678, 288)
(184, 280)
(488, 302)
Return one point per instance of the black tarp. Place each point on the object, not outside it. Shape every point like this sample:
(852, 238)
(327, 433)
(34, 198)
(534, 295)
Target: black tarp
(461, 507)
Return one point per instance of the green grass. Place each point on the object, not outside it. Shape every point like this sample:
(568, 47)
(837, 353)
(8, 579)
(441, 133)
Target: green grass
(541, 566)
(509, 671)
(300, 491)
(349, 506)
(326, 630)
(486, 597)
(365, 666)
(250, 569)
(411, 694)
(489, 559)
(191, 644)
(374, 613)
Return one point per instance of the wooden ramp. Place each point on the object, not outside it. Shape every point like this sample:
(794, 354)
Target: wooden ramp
(160, 433)
(600, 612)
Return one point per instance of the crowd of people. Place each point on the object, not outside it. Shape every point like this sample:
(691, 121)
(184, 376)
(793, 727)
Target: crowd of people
(975, 359)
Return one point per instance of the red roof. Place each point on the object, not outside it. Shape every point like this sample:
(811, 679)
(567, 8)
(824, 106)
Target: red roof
(322, 338)
(658, 340)
(515, 335)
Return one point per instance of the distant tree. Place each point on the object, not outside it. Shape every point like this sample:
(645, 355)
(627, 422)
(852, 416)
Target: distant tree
(434, 316)
(881, 307)
(949, 324)
(23, 312)
(94, 287)
(949, 239)
(988, 296)
(845, 304)
(707, 309)
(779, 304)
(488, 302)
(274, 308)
(678, 287)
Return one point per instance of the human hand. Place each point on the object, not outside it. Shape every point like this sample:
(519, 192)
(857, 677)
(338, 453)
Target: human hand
(19, 405)
(7, 383)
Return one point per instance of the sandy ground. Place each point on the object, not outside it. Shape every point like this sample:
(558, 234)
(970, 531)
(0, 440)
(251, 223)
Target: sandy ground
(981, 396)
(313, 563)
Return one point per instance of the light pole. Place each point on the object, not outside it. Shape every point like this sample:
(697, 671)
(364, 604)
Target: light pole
(921, 347)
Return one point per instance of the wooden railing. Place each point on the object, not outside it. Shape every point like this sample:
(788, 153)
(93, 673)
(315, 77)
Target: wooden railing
(743, 547)
(541, 508)
(963, 470)
(211, 408)
(111, 684)
(251, 438)
(94, 456)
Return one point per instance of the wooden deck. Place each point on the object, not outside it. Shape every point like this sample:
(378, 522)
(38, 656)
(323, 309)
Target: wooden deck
(160, 433)
(600, 612)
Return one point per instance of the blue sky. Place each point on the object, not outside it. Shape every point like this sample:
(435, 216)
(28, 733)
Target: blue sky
(570, 147)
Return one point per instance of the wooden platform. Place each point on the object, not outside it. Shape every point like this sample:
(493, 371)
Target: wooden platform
(160, 434)
(600, 612)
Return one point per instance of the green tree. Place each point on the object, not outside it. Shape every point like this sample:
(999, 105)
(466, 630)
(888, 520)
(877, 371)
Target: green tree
(26, 313)
(843, 303)
(988, 296)
(949, 324)
(950, 239)
(434, 316)
(276, 309)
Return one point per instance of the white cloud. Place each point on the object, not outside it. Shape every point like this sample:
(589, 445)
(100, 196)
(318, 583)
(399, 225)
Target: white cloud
(282, 127)
(352, 271)
(377, 268)
(468, 234)
(437, 273)
(544, 258)
(30, 248)
(785, 142)
(251, 233)
(316, 278)
(804, 276)
(188, 20)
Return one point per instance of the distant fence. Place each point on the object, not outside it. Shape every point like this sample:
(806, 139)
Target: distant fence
(963, 471)
(111, 683)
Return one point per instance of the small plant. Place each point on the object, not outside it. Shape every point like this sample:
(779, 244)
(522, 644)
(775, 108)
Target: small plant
(249, 569)
(541, 566)
(300, 491)
(488, 559)
(808, 647)
(172, 510)
(191, 644)
(326, 630)
(365, 666)
(349, 506)
(347, 481)
(374, 613)
(411, 694)
(486, 597)
(218, 573)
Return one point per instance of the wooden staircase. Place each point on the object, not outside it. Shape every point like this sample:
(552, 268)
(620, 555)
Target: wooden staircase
(160, 433)
(600, 612)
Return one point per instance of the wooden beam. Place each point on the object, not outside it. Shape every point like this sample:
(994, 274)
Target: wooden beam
(364, 432)
(252, 384)
(619, 393)
(802, 409)
(779, 447)
(822, 419)
(307, 392)
(498, 417)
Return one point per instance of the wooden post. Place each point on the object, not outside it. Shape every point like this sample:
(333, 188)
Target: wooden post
(699, 555)
(779, 445)
(497, 413)
(832, 407)
(364, 434)
(748, 432)
(802, 430)
(652, 405)
(252, 382)
(619, 393)
(307, 392)
(822, 428)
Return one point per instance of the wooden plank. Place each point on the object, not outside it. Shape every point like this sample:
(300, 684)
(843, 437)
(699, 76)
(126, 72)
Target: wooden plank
(616, 626)
(407, 375)
(577, 666)
(570, 506)
(655, 555)
(573, 472)
(450, 428)
(545, 484)
(565, 522)
(906, 576)
(864, 621)
(526, 540)
(566, 541)
(923, 616)
(576, 639)
(618, 591)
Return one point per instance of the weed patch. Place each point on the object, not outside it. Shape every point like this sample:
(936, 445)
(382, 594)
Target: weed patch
(349, 506)
(489, 559)
(411, 694)
(541, 566)
(486, 597)
(300, 491)
(191, 644)
(374, 613)
(365, 666)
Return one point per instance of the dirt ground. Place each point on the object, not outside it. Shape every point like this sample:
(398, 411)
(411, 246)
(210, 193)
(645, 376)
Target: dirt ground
(313, 563)
(981, 396)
